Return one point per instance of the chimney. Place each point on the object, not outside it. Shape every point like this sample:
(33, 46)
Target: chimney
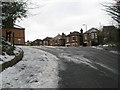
(63, 34)
(81, 31)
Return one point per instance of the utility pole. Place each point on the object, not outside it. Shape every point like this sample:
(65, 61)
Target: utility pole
(13, 40)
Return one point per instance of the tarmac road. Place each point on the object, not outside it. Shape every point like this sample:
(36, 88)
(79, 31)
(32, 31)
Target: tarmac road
(85, 67)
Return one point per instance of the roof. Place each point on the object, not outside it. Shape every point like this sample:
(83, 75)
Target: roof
(38, 40)
(47, 39)
(109, 27)
(58, 37)
(75, 33)
(16, 27)
(92, 30)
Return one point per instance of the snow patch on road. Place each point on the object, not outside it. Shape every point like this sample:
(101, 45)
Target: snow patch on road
(78, 60)
(100, 48)
(56, 47)
(106, 67)
(38, 69)
(97, 47)
(115, 52)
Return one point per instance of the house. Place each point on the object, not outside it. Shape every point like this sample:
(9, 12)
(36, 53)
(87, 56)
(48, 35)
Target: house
(58, 40)
(91, 37)
(14, 35)
(110, 34)
(74, 39)
(46, 41)
(37, 42)
(28, 43)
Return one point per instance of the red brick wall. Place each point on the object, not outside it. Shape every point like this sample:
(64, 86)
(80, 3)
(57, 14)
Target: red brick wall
(73, 42)
(89, 38)
(19, 34)
(58, 42)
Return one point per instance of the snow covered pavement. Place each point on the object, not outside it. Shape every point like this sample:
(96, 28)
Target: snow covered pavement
(6, 57)
(38, 71)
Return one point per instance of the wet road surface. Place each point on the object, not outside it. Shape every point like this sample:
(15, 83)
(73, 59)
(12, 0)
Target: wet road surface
(85, 67)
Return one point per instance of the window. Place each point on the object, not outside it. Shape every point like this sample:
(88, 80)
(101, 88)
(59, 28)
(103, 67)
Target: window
(73, 44)
(46, 42)
(95, 35)
(92, 35)
(74, 38)
(36, 42)
(55, 41)
(67, 39)
(40, 42)
(58, 41)
(85, 36)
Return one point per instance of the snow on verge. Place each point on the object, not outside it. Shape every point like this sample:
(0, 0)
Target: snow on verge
(115, 52)
(6, 57)
(38, 69)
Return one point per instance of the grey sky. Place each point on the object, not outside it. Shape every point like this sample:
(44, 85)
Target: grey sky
(57, 16)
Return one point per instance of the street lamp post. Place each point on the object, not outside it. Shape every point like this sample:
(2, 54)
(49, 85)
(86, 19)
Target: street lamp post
(85, 26)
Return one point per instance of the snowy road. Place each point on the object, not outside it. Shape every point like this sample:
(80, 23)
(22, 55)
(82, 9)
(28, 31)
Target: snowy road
(86, 67)
(38, 69)
(63, 67)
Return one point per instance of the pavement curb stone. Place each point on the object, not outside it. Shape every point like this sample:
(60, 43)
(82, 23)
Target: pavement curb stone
(12, 62)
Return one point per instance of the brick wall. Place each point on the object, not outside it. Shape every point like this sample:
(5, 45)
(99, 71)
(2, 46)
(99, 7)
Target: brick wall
(19, 35)
(73, 41)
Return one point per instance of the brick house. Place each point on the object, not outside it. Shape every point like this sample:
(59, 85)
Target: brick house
(19, 35)
(74, 39)
(46, 41)
(59, 40)
(110, 34)
(91, 37)
(37, 42)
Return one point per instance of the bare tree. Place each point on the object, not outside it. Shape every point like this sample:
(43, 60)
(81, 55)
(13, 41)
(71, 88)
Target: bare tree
(113, 10)
(12, 11)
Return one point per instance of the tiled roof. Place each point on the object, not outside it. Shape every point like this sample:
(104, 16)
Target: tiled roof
(38, 40)
(47, 39)
(75, 33)
(108, 27)
(58, 37)
(92, 30)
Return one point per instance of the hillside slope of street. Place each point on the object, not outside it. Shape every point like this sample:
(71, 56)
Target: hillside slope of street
(62, 67)
(38, 69)
(85, 67)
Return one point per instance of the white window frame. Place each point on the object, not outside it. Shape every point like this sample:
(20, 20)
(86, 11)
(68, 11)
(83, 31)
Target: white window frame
(85, 37)
(93, 35)
(96, 35)
(67, 39)
(75, 38)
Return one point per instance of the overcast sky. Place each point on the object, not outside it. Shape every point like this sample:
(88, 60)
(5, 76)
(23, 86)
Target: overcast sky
(56, 16)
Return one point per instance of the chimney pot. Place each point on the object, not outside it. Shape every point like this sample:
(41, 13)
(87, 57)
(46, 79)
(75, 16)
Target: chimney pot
(81, 31)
